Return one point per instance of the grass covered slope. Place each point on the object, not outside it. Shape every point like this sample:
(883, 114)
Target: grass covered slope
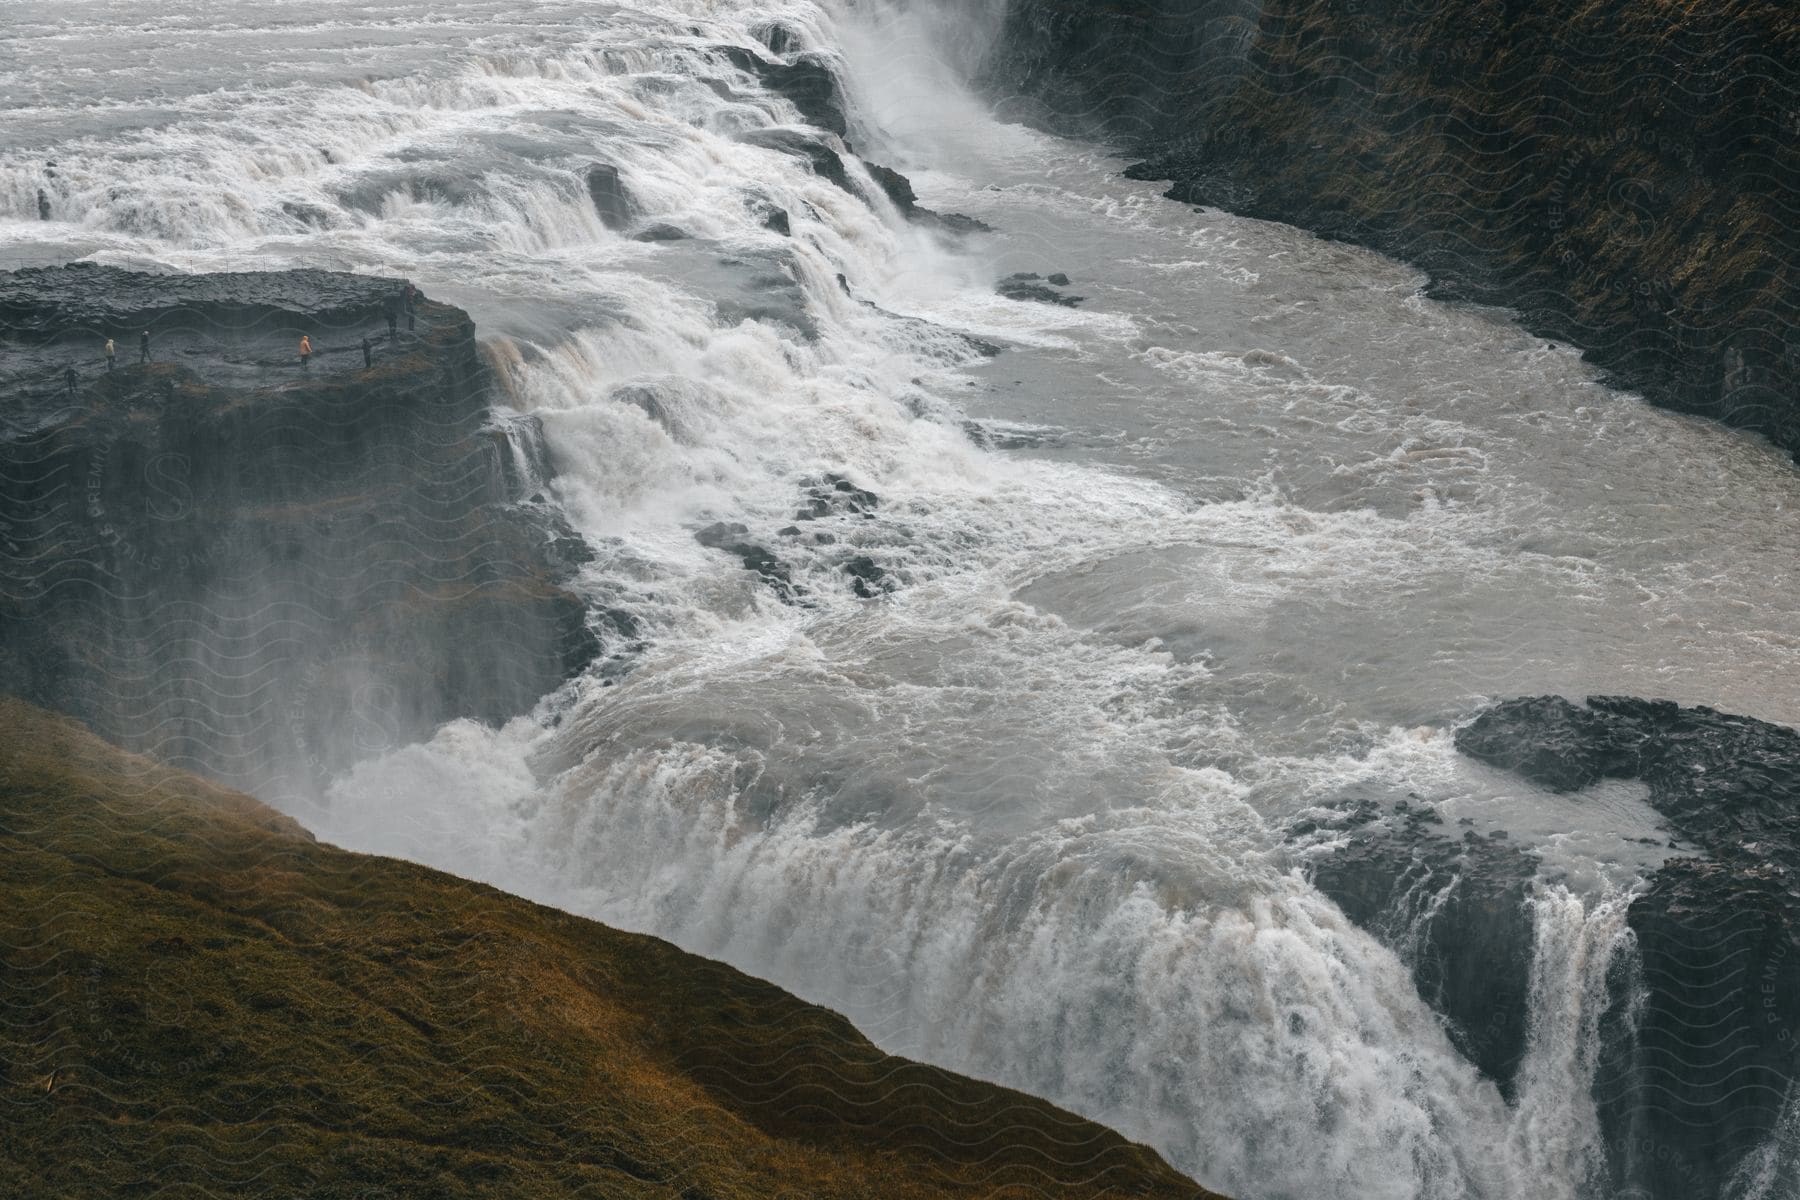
(197, 998)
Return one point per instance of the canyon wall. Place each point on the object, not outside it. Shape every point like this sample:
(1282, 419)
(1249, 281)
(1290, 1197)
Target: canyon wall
(1625, 174)
(262, 570)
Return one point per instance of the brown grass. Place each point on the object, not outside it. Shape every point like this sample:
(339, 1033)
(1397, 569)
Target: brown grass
(199, 999)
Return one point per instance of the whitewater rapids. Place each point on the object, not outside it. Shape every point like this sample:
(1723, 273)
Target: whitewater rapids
(1237, 537)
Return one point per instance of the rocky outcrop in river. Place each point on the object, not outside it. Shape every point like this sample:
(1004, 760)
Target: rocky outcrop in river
(1699, 1061)
(262, 570)
(1623, 174)
(1698, 1077)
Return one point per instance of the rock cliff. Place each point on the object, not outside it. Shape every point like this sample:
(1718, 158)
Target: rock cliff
(261, 570)
(1698, 1067)
(1623, 173)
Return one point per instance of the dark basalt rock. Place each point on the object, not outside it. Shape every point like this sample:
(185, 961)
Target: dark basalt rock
(1024, 285)
(894, 185)
(778, 220)
(836, 495)
(1724, 781)
(1453, 908)
(85, 301)
(953, 223)
(825, 162)
(988, 437)
(867, 578)
(778, 36)
(732, 538)
(612, 199)
(898, 188)
(261, 572)
(806, 81)
(1557, 745)
(1700, 1046)
(660, 232)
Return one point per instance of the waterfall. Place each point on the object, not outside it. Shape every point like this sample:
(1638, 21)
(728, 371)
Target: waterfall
(984, 650)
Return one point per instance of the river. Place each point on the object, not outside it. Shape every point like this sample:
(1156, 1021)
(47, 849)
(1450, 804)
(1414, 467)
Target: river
(1241, 535)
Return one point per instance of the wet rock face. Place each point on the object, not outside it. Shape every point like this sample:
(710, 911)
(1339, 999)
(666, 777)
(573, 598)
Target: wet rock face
(1028, 285)
(1622, 180)
(1557, 745)
(1725, 782)
(806, 81)
(1691, 1092)
(262, 571)
(43, 304)
(899, 189)
(834, 494)
(824, 162)
(612, 200)
(734, 539)
(1453, 907)
(1702, 1041)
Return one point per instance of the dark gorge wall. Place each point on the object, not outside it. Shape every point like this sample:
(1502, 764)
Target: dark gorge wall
(260, 571)
(1699, 1062)
(1623, 173)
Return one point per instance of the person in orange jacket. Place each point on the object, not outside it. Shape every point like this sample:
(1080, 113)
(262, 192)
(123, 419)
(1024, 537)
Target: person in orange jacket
(305, 351)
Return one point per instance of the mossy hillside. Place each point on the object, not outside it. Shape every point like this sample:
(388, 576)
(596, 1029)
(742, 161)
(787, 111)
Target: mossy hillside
(199, 999)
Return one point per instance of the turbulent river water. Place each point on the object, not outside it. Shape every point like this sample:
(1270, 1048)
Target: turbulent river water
(1243, 534)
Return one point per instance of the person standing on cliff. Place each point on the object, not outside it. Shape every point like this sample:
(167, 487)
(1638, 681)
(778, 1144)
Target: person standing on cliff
(144, 346)
(305, 352)
(111, 353)
(368, 353)
(71, 378)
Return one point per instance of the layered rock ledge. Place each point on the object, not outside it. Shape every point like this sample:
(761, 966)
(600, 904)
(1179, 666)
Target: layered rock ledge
(261, 571)
(1625, 174)
(201, 998)
(1698, 1059)
(1701, 1062)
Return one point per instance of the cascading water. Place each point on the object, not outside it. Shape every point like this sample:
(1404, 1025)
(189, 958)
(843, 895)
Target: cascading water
(1181, 564)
